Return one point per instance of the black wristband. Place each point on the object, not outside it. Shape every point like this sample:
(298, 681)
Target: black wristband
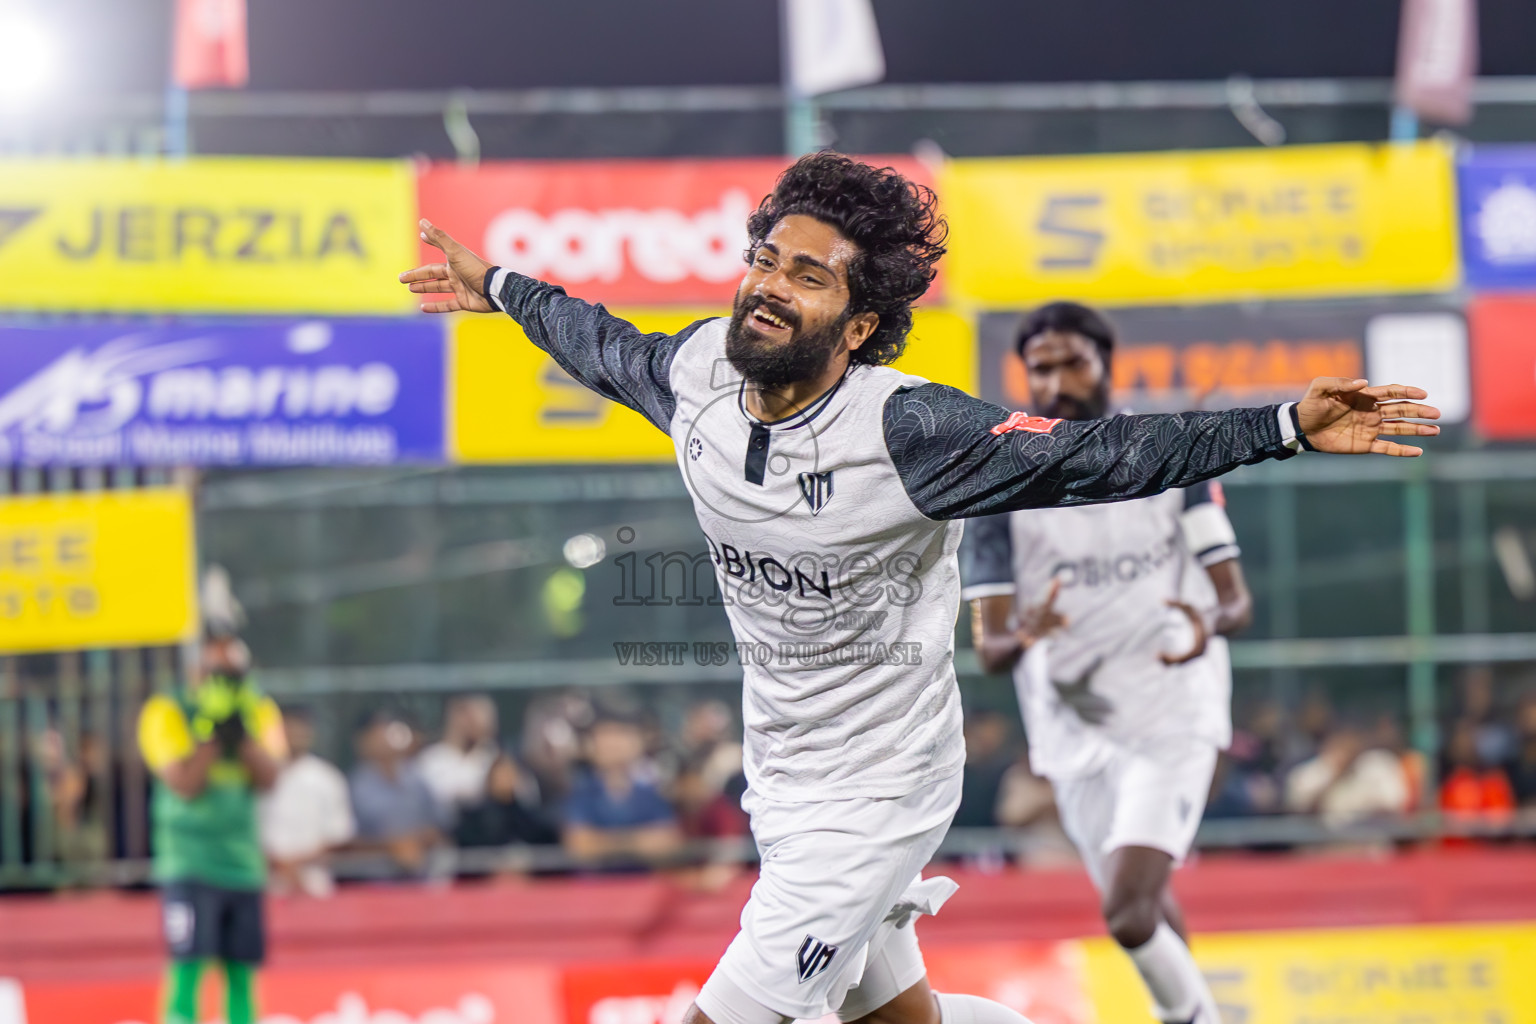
(485, 287)
(1306, 445)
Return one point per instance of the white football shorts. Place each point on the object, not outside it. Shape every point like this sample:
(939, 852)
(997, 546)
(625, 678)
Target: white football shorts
(1152, 796)
(829, 924)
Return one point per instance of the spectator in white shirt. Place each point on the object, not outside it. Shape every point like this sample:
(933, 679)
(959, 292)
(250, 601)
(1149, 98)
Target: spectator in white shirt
(455, 769)
(306, 815)
(1348, 781)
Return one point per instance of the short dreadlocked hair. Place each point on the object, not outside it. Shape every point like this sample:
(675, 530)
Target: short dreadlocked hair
(893, 221)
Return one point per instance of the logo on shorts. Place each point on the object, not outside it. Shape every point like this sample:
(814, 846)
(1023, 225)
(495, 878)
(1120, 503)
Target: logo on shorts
(814, 957)
(1184, 808)
(179, 924)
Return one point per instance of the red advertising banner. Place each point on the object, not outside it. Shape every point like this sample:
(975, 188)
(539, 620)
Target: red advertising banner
(404, 994)
(630, 232)
(633, 993)
(1045, 981)
(1504, 366)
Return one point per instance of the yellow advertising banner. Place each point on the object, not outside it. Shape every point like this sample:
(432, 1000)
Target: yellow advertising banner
(1202, 226)
(1484, 974)
(208, 235)
(98, 569)
(512, 403)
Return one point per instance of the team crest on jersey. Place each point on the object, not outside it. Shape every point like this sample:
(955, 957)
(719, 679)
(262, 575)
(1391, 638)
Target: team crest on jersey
(816, 489)
(1024, 421)
(814, 957)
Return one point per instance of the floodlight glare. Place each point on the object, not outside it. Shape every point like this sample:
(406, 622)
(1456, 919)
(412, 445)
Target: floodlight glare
(585, 550)
(27, 57)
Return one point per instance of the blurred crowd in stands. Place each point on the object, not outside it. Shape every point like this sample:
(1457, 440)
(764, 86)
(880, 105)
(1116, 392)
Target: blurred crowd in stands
(602, 782)
(584, 782)
(1343, 769)
(616, 792)
(1347, 768)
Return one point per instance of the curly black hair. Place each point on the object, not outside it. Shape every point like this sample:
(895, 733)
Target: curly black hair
(893, 221)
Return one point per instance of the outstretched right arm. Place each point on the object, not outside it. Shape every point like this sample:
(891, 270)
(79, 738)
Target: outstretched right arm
(609, 355)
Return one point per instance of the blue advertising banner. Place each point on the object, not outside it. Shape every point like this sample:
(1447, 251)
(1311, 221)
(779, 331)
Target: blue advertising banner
(1497, 196)
(249, 393)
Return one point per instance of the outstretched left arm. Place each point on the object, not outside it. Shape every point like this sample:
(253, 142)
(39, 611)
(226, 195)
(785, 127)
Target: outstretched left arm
(960, 457)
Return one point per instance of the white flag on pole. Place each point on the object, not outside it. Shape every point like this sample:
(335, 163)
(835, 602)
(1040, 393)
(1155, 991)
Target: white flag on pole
(833, 44)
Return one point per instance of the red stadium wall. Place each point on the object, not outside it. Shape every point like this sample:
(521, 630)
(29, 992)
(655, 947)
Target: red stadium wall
(556, 950)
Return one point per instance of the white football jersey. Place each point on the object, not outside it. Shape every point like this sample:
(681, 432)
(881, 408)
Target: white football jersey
(833, 533)
(1118, 565)
(842, 596)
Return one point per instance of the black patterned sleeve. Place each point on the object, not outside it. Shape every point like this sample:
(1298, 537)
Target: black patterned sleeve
(607, 354)
(959, 456)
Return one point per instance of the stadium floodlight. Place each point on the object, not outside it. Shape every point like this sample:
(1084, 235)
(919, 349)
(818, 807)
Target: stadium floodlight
(28, 56)
(585, 550)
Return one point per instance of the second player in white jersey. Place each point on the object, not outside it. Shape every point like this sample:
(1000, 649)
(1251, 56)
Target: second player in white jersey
(1115, 569)
(1111, 618)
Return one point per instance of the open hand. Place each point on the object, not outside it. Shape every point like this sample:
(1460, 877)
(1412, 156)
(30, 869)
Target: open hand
(1348, 417)
(462, 277)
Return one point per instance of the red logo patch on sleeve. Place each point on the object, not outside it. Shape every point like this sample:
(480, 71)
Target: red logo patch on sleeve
(1024, 421)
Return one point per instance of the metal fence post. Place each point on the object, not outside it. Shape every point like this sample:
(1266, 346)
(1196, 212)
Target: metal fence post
(1472, 516)
(11, 803)
(1284, 555)
(1419, 556)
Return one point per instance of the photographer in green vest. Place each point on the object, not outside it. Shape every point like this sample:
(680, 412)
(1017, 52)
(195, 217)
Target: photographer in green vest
(212, 748)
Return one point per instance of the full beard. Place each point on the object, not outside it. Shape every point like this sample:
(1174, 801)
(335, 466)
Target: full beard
(771, 366)
(1066, 407)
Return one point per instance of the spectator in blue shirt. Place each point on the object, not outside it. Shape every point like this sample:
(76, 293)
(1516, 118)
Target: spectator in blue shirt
(614, 816)
(398, 819)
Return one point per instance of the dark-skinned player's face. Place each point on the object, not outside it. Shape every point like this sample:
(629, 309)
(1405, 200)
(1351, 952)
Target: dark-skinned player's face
(791, 313)
(1067, 377)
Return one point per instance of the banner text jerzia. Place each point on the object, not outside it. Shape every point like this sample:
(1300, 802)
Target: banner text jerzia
(1305, 221)
(104, 569)
(207, 235)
